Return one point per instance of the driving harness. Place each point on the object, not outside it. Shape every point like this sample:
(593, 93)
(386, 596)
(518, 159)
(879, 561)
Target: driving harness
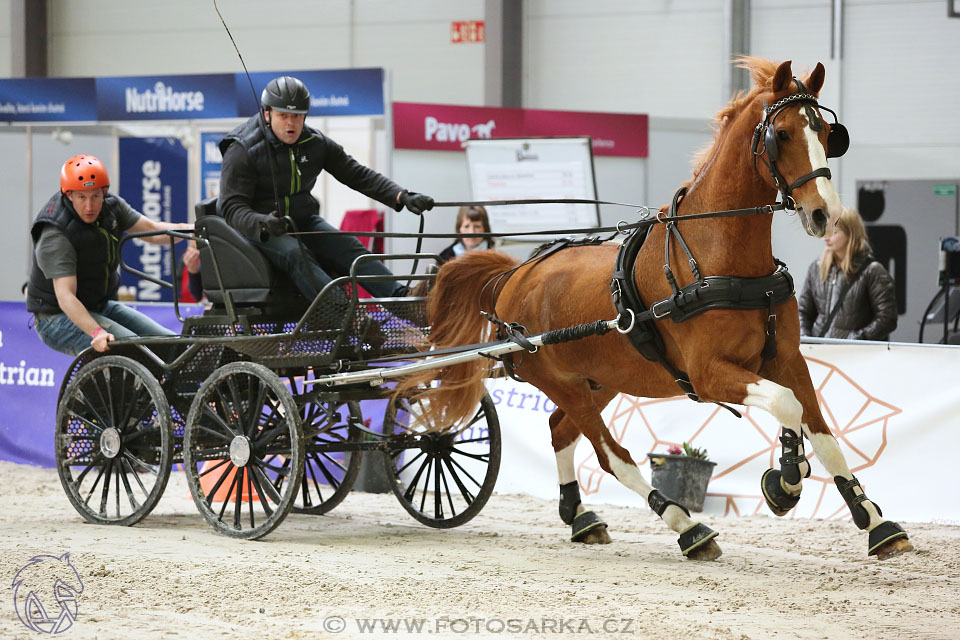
(710, 292)
(706, 292)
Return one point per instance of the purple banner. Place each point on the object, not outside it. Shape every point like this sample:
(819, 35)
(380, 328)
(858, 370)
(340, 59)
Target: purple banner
(30, 377)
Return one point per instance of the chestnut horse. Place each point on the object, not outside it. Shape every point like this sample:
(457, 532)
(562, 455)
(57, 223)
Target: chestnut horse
(720, 348)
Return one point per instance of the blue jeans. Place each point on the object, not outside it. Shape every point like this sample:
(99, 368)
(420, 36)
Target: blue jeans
(60, 334)
(309, 260)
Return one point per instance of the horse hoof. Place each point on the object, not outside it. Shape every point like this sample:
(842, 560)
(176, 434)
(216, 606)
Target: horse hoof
(589, 529)
(596, 536)
(778, 500)
(888, 539)
(697, 542)
(894, 548)
(709, 551)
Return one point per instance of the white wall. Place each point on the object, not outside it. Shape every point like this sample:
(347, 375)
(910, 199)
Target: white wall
(412, 39)
(5, 66)
(663, 58)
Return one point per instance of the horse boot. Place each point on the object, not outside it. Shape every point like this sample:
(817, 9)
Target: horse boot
(586, 526)
(774, 482)
(883, 534)
(691, 538)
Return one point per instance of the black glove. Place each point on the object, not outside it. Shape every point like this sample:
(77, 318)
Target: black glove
(416, 202)
(271, 225)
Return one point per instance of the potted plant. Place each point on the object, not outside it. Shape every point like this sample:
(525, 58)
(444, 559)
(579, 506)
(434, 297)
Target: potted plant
(682, 474)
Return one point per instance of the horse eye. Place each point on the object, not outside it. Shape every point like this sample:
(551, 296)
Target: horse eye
(783, 135)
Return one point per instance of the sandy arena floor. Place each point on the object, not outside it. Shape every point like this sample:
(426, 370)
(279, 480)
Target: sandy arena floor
(510, 572)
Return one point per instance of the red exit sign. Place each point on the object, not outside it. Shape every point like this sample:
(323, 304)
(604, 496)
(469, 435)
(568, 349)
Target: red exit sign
(467, 31)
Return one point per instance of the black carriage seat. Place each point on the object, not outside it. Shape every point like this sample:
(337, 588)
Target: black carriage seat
(246, 272)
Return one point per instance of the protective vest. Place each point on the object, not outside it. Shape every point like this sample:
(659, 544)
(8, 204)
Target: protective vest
(98, 275)
(296, 167)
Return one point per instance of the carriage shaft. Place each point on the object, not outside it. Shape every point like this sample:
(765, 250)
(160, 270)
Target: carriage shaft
(377, 377)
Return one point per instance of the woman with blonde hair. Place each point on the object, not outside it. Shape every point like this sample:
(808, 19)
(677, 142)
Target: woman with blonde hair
(469, 220)
(848, 294)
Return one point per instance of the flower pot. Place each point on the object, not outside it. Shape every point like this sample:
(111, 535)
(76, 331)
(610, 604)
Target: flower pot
(681, 478)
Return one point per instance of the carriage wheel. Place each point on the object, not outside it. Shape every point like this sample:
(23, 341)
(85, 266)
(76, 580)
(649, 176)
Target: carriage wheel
(113, 441)
(242, 422)
(443, 479)
(328, 476)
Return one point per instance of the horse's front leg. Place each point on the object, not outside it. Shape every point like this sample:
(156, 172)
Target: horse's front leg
(586, 526)
(886, 538)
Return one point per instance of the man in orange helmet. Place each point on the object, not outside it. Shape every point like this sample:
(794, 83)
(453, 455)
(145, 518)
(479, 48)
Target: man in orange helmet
(75, 275)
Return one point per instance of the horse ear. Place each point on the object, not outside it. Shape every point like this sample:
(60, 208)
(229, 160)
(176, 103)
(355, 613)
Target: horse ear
(815, 82)
(782, 78)
(65, 557)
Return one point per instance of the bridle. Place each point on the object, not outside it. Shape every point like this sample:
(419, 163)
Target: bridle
(765, 147)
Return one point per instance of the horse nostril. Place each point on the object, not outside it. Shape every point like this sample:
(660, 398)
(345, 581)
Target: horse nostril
(819, 218)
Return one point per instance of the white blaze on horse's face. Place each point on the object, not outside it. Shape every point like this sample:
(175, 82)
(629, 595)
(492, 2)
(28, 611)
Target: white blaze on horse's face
(830, 200)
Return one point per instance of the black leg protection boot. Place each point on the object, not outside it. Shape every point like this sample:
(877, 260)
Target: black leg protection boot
(569, 501)
(777, 498)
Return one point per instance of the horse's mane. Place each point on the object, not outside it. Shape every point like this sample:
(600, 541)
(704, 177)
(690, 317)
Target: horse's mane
(762, 71)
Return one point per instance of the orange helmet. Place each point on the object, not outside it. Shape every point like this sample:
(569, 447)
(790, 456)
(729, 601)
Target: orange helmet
(83, 172)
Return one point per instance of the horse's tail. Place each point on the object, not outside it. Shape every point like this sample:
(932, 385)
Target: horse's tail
(453, 311)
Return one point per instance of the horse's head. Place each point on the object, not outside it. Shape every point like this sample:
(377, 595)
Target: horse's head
(793, 141)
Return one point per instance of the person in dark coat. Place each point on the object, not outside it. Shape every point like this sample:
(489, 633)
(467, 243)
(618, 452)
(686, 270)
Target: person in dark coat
(298, 154)
(868, 309)
(75, 274)
(469, 220)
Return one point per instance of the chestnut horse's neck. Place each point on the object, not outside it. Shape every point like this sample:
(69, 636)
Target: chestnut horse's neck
(739, 245)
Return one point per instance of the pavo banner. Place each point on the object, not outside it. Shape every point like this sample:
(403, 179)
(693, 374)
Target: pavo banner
(153, 180)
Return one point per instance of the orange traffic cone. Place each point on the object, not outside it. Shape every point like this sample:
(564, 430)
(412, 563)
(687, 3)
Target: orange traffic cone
(247, 492)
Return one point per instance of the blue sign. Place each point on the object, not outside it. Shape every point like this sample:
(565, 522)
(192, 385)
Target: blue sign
(210, 163)
(165, 98)
(153, 180)
(339, 92)
(46, 99)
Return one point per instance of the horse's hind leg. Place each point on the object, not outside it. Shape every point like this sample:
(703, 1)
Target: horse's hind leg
(586, 525)
(580, 408)
(886, 538)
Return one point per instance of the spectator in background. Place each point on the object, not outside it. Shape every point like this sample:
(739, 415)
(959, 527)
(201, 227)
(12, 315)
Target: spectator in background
(75, 275)
(847, 293)
(191, 284)
(469, 220)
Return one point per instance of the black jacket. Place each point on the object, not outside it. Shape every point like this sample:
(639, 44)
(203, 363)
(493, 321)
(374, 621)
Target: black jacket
(246, 186)
(868, 311)
(98, 276)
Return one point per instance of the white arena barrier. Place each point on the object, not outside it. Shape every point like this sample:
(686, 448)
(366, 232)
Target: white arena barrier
(893, 407)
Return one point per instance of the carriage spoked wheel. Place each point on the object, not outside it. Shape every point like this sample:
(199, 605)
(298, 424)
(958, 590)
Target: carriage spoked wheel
(328, 475)
(242, 423)
(114, 441)
(442, 478)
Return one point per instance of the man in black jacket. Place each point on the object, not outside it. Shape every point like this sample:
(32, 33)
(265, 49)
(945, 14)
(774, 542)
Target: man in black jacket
(299, 153)
(75, 275)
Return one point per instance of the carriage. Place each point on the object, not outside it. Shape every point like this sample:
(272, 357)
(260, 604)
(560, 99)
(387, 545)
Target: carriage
(215, 398)
(235, 400)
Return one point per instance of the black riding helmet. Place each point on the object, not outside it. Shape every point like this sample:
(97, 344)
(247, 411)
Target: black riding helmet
(287, 94)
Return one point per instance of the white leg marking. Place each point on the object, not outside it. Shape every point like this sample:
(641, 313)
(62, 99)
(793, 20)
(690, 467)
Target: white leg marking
(818, 159)
(780, 402)
(827, 449)
(629, 475)
(565, 469)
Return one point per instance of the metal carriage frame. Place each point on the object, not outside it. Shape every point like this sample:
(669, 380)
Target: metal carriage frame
(235, 400)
